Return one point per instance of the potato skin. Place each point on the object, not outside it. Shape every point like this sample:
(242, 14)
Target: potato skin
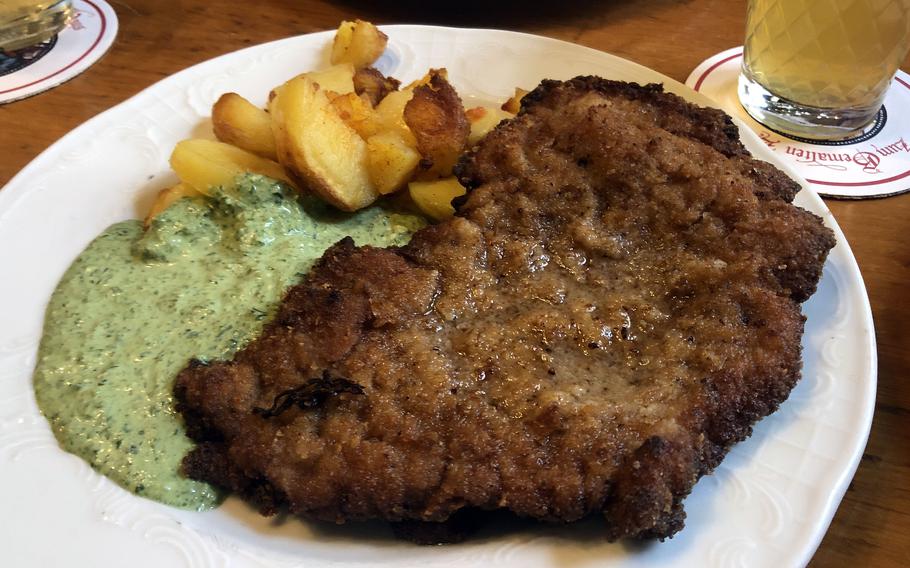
(437, 118)
(316, 145)
(239, 122)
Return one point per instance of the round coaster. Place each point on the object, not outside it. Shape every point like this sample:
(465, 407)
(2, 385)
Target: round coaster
(875, 163)
(31, 70)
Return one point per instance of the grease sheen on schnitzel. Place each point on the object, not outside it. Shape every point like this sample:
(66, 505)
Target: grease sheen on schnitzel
(615, 304)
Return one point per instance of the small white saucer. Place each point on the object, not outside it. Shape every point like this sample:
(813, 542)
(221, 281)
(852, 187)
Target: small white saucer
(873, 164)
(29, 71)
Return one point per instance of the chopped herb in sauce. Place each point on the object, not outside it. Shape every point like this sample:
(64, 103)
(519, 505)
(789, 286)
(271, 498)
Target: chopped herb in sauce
(137, 305)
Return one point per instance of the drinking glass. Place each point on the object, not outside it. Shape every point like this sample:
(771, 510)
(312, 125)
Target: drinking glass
(28, 22)
(821, 69)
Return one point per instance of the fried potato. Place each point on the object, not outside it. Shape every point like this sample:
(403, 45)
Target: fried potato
(359, 43)
(317, 146)
(391, 114)
(483, 120)
(391, 108)
(436, 117)
(338, 78)
(434, 198)
(425, 80)
(356, 111)
(166, 197)
(204, 164)
(237, 121)
(514, 103)
(370, 82)
(392, 161)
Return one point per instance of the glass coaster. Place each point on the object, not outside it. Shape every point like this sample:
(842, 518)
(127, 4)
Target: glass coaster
(31, 70)
(875, 163)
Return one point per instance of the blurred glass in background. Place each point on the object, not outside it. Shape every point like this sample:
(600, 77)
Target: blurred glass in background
(27, 22)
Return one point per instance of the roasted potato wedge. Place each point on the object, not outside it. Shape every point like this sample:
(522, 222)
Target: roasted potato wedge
(392, 161)
(337, 78)
(359, 43)
(370, 82)
(513, 104)
(483, 120)
(237, 121)
(356, 111)
(437, 118)
(434, 198)
(166, 197)
(204, 164)
(317, 146)
(391, 114)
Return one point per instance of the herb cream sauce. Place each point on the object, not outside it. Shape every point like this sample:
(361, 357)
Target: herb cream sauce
(138, 304)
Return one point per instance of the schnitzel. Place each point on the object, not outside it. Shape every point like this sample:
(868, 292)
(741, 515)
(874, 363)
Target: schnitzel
(615, 304)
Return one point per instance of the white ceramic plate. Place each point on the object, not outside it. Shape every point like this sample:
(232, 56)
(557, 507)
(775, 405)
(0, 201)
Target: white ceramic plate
(768, 504)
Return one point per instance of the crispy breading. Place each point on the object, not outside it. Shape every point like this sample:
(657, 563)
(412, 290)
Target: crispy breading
(371, 82)
(615, 304)
(437, 118)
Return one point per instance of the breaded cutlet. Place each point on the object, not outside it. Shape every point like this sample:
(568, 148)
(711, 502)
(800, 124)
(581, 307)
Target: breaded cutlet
(614, 305)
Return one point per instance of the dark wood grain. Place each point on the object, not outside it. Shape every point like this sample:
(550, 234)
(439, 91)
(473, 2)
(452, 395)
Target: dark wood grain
(156, 39)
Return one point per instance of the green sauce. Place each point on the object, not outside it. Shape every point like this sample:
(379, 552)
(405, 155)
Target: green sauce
(137, 305)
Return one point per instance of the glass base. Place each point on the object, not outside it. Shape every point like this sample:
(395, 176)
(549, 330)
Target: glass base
(800, 120)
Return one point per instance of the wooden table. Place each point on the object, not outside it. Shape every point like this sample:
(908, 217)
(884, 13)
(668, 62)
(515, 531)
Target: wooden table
(156, 39)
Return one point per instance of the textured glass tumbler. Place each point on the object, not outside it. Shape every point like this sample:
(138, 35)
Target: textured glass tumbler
(820, 69)
(29, 22)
